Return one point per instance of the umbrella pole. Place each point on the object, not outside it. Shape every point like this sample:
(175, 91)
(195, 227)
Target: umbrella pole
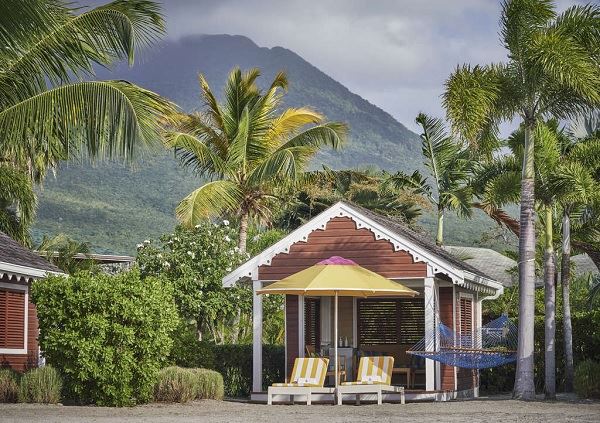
(335, 340)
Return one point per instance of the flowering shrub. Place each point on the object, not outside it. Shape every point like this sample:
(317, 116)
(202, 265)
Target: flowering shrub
(194, 261)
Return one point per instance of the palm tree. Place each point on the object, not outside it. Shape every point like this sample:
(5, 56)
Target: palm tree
(577, 186)
(249, 147)
(67, 254)
(364, 187)
(48, 111)
(552, 70)
(449, 166)
(17, 204)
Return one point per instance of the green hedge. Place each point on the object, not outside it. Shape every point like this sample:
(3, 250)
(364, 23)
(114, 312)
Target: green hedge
(176, 384)
(9, 386)
(107, 335)
(587, 379)
(42, 385)
(234, 362)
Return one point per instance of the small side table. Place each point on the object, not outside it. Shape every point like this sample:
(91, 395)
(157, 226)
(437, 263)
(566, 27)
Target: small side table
(404, 370)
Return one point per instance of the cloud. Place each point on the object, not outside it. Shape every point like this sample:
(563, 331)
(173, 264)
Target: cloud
(394, 53)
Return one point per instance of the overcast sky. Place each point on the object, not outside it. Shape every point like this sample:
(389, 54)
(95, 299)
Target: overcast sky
(394, 53)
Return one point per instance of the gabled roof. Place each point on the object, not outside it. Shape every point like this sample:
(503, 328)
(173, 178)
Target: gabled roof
(393, 230)
(492, 263)
(16, 261)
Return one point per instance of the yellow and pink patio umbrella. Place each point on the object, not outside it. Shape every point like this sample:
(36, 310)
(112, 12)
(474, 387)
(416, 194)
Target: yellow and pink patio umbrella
(335, 277)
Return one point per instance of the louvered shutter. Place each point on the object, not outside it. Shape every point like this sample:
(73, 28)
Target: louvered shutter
(391, 321)
(12, 318)
(466, 322)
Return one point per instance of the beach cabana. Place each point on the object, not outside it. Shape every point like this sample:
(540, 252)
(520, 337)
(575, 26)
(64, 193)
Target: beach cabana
(450, 292)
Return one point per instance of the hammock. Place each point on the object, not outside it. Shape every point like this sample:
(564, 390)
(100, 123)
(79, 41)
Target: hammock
(492, 345)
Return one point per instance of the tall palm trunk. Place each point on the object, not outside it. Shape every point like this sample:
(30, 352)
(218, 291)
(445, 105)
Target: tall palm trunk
(243, 233)
(439, 239)
(565, 278)
(524, 379)
(550, 310)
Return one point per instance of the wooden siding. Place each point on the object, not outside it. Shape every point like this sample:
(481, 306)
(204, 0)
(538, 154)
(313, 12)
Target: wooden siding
(291, 331)
(446, 313)
(341, 237)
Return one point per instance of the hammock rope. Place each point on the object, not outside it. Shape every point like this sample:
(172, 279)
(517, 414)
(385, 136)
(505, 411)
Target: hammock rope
(492, 345)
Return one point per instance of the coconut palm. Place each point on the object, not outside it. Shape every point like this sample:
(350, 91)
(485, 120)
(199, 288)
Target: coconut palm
(249, 147)
(48, 111)
(449, 167)
(17, 204)
(552, 70)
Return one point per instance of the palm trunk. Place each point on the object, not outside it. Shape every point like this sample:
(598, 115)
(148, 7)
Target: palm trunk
(243, 231)
(524, 378)
(565, 278)
(550, 311)
(439, 240)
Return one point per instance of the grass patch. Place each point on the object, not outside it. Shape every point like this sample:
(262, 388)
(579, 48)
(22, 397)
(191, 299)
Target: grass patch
(9, 386)
(177, 384)
(42, 385)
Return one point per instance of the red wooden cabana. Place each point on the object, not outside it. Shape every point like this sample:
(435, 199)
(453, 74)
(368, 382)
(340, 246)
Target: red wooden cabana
(450, 290)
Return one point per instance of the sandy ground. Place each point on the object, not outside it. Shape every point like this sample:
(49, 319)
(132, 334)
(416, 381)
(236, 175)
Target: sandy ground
(494, 409)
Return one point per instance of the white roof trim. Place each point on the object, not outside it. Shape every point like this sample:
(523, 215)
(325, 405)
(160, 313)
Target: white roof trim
(23, 273)
(340, 209)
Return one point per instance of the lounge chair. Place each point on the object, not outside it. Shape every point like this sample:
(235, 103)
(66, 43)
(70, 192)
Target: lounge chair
(308, 377)
(374, 377)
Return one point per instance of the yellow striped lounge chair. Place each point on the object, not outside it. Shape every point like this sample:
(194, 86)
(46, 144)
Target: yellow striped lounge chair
(308, 377)
(374, 376)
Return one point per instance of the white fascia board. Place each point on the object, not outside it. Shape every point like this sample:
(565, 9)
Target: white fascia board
(319, 222)
(26, 272)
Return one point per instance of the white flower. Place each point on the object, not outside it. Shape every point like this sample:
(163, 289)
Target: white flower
(159, 255)
(197, 226)
(192, 255)
(166, 264)
(228, 269)
(140, 246)
(146, 241)
(226, 222)
(227, 238)
(255, 237)
(236, 249)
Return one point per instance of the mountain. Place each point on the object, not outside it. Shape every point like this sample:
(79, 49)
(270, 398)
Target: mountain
(114, 206)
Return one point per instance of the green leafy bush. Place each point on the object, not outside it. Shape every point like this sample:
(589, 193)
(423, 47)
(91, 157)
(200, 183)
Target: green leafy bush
(176, 384)
(42, 385)
(9, 387)
(587, 379)
(107, 335)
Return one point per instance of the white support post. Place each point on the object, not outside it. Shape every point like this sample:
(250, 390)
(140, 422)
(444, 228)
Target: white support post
(429, 296)
(301, 340)
(438, 367)
(257, 318)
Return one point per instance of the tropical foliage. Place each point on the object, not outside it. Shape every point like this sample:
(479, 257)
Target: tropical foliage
(65, 253)
(49, 112)
(364, 187)
(250, 148)
(553, 69)
(108, 336)
(449, 165)
(17, 204)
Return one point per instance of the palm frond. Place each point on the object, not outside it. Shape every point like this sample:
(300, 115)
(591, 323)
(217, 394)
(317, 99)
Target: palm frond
(71, 47)
(210, 200)
(108, 118)
(17, 204)
(195, 154)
